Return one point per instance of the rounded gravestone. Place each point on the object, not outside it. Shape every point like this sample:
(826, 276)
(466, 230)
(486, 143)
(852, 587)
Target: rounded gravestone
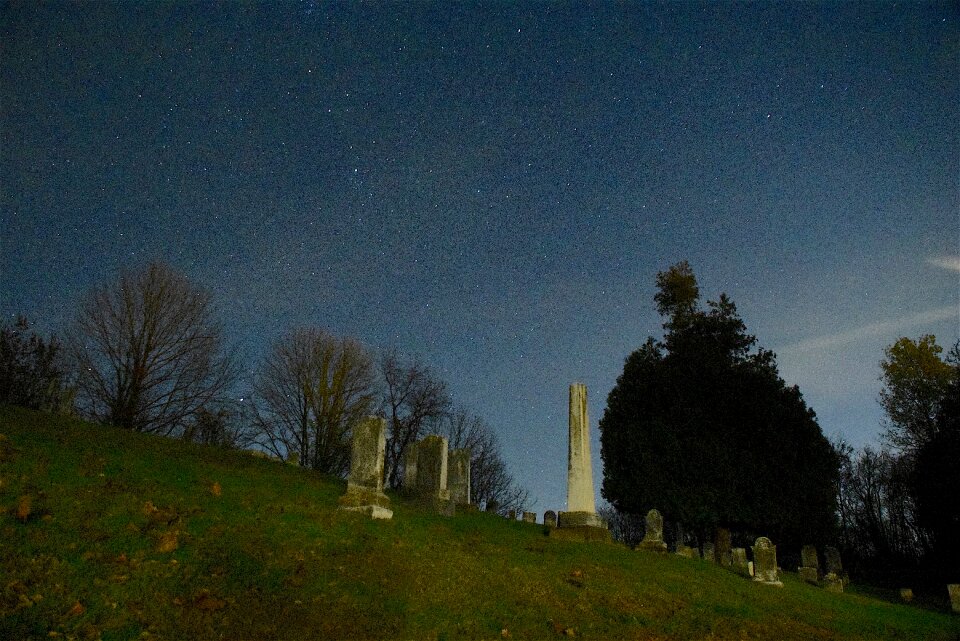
(653, 536)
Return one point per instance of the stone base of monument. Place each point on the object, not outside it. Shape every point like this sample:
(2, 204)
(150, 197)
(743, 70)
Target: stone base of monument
(809, 575)
(580, 526)
(652, 545)
(440, 503)
(367, 501)
(832, 583)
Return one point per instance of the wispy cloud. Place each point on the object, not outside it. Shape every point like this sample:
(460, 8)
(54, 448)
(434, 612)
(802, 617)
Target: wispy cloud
(880, 328)
(946, 262)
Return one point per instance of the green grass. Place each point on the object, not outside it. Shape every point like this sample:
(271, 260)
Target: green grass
(272, 558)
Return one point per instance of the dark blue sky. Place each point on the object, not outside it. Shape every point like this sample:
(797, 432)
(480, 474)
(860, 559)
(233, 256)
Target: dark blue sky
(495, 187)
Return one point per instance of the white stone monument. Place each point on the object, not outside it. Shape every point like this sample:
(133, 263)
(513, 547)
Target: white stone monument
(581, 509)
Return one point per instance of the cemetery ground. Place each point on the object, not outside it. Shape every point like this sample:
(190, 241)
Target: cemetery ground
(106, 534)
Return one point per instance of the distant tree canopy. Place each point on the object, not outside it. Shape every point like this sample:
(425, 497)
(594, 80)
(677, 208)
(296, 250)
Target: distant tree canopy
(32, 373)
(704, 429)
(899, 508)
(916, 381)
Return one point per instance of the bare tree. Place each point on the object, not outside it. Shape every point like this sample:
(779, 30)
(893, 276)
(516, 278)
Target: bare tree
(149, 351)
(490, 482)
(414, 399)
(311, 389)
(624, 528)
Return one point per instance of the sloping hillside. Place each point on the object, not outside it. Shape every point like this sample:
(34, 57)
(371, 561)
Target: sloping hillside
(110, 535)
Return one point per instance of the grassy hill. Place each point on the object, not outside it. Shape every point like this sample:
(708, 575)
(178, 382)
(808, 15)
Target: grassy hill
(105, 534)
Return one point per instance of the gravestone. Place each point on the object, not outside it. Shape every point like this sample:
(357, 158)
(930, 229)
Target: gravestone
(458, 480)
(687, 551)
(529, 517)
(512, 515)
(653, 535)
(365, 483)
(832, 583)
(493, 506)
(410, 469)
(709, 552)
(738, 560)
(833, 579)
(293, 458)
(809, 569)
(765, 562)
(831, 561)
(550, 518)
(723, 545)
(431, 474)
(906, 595)
(953, 590)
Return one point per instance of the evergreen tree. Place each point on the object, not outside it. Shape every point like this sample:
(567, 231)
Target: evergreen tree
(701, 426)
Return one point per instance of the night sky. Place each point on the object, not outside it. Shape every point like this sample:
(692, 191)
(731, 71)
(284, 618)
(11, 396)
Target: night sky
(494, 187)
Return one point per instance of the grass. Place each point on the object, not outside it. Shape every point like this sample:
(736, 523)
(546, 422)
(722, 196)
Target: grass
(129, 536)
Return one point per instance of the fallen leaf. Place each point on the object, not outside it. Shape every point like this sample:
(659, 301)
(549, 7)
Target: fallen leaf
(24, 505)
(216, 490)
(204, 601)
(504, 634)
(149, 508)
(168, 541)
(76, 610)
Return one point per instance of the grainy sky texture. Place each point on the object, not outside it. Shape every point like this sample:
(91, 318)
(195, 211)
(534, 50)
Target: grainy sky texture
(495, 186)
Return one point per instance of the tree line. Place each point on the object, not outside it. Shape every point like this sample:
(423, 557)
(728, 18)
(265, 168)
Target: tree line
(148, 353)
(899, 503)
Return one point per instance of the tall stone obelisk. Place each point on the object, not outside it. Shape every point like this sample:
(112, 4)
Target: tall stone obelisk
(580, 520)
(579, 467)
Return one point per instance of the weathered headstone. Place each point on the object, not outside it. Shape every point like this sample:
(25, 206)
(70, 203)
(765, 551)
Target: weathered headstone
(293, 458)
(458, 479)
(580, 520)
(765, 562)
(906, 595)
(953, 590)
(709, 552)
(511, 515)
(751, 569)
(738, 559)
(550, 518)
(653, 535)
(410, 469)
(832, 583)
(833, 578)
(831, 561)
(687, 551)
(365, 483)
(493, 506)
(431, 474)
(809, 570)
(723, 546)
(529, 517)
